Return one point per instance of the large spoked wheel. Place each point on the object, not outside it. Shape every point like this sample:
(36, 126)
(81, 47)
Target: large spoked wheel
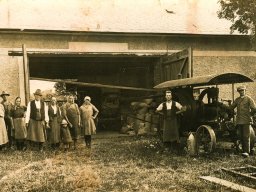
(205, 139)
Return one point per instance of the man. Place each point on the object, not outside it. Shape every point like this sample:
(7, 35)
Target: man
(245, 105)
(7, 116)
(169, 110)
(37, 120)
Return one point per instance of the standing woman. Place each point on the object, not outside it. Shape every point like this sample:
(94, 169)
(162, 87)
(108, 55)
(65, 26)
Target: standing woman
(71, 114)
(20, 130)
(88, 113)
(7, 116)
(3, 131)
(54, 123)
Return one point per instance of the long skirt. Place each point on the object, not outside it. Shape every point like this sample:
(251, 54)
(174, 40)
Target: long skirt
(54, 131)
(36, 131)
(75, 129)
(3, 132)
(89, 127)
(20, 128)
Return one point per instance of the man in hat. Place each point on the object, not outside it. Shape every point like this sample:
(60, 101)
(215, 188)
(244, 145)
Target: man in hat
(245, 106)
(169, 111)
(7, 116)
(37, 120)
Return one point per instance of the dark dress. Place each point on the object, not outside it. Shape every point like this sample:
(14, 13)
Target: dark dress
(170, 124)
(71, 111)
(54, 123)
(18, 114)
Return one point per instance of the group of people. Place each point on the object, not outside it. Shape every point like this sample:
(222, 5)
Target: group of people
(38, 122)
(245, 109)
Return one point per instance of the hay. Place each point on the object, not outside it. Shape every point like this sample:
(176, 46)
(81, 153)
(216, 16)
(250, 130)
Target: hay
(49, 175)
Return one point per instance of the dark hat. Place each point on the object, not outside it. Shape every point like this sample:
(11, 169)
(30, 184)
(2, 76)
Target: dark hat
(240, 88)
(38, 92)
(4, 93)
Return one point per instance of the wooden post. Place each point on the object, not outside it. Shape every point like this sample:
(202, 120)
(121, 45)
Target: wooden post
(190, 61)
(26, 73)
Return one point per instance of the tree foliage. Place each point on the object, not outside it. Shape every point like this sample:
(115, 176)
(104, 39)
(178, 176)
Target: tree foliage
(242, 14)
(60, 88)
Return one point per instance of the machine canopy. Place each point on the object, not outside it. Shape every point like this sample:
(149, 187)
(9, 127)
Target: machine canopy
(225, 78)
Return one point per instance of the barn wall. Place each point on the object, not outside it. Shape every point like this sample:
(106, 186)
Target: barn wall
(239, 57)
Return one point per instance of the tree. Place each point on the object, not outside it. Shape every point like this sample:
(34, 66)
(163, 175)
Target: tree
(60, 88)
(242, 14)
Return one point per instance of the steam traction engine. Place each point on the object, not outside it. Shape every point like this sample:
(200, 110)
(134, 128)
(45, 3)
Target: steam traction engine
(206, 114)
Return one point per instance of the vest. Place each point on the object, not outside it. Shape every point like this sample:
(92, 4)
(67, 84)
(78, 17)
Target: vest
(173, 109)
(52, 115)
(34, 113)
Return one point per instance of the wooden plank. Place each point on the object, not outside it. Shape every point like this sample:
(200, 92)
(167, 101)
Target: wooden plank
(94, 84)
(228, 184)
(190, 62)
(26, 73)
(236, 173)
(176, 56)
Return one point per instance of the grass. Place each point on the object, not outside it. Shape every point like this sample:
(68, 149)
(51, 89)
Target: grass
(115, 164)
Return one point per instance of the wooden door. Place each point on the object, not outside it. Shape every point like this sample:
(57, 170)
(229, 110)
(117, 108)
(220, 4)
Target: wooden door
(174, 66)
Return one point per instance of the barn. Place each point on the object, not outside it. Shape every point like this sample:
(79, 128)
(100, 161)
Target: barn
(116, 48)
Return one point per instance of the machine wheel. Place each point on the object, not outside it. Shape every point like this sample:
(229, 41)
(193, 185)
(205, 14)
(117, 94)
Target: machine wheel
(205, 139)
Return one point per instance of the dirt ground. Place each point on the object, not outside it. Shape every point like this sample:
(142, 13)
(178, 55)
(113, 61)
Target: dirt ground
(116, 163)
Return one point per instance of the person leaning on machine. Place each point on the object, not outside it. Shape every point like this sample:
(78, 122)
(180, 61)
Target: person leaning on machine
(245, 105)
(169, 111)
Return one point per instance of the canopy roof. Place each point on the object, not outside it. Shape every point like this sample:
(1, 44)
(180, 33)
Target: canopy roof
(217, 79)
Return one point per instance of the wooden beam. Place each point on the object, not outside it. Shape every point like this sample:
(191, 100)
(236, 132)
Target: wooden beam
(190, 62)
(228, 184)
(94, 84)
(26, 73)
(240, 174)
(176, 56)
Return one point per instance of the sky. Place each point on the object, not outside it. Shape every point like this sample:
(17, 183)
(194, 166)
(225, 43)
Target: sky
(184, 16)
(43, 85)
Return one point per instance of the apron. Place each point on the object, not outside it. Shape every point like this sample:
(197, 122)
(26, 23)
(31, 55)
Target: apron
(170, 124)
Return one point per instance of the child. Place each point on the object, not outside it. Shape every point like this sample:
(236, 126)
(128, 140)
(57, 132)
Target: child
(66, 136)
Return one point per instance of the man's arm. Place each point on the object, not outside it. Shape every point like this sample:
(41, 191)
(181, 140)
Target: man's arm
(159, 108)
(252, 105)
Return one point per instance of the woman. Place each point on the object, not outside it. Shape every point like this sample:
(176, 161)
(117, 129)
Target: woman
(3, 132)
(71, 114)
(54, 123)
(18, 117)
(88, 113)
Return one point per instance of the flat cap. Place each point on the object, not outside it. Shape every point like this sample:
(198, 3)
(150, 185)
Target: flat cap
(240, 88)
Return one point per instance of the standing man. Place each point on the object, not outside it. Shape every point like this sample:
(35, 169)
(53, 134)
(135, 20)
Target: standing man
(169, 110)
(71, 114)
(245, 105)
(7, 117)
(37, 120)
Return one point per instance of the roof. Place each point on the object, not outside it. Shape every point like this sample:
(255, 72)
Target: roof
(217, 79)
(133, 16)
